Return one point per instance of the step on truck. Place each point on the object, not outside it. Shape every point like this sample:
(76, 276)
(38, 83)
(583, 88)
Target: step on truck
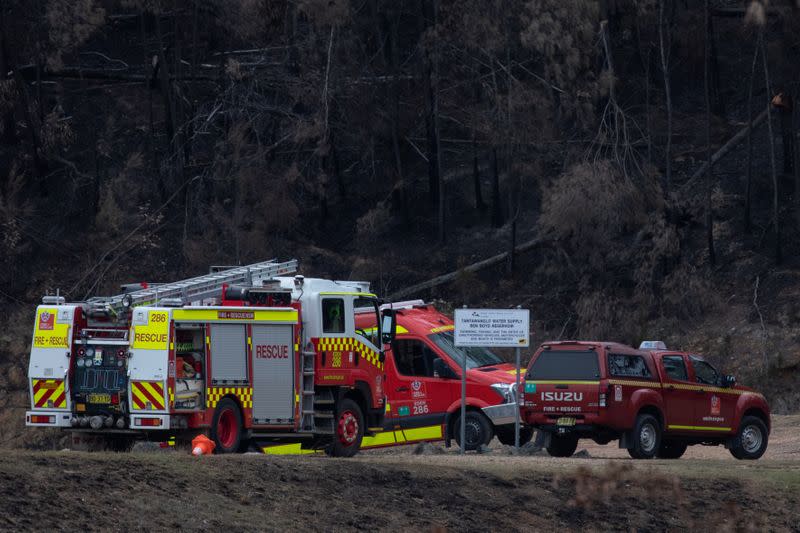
(655, 401)
(245, 354)
(423, 383)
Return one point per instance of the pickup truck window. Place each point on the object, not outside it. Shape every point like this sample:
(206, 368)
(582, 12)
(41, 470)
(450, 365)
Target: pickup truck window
(675, 367)
(476, 357)
(704, 372)
(413, 358)
(565, 365)
(628, 366)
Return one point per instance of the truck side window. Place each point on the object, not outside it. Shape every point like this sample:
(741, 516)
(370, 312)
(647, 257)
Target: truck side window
(628, 366)
(413, 358)
(704, 372)
(675, 367)
(333, 315)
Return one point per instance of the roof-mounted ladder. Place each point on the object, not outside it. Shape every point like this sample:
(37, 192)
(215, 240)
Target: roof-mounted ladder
(199, 288)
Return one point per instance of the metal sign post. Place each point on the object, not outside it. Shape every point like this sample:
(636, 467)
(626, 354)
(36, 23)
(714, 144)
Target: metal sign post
(463, 405)
(491, 328)
(516, 400)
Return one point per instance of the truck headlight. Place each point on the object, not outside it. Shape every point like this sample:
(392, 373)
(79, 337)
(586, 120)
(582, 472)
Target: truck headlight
(507, 391)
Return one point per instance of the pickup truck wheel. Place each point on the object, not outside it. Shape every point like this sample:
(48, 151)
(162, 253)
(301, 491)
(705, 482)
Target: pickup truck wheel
(348, 431)
(646, 437)
(671, 449)
(478, 430)
(505, 435)
(751, 440)
(562, 446)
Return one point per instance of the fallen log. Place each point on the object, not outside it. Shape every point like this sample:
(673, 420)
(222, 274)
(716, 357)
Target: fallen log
(474, 267)
(732, 142)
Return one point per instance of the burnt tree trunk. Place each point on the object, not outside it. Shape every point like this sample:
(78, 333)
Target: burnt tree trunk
(712, 257)
(9, 134)
(664, 48)
(749, 180)
(497, 208)
(775, 183)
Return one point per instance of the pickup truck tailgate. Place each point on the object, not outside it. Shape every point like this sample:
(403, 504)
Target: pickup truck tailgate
(563, 382)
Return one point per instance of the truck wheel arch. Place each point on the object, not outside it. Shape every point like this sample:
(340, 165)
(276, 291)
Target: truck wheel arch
(361, 394)
(649, 409)
(755, 411)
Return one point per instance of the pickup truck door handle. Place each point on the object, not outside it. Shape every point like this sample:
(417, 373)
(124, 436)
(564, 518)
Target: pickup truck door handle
(402, 389)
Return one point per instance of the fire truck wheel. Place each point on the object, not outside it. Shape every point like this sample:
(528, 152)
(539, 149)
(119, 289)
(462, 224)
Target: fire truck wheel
(751, 440)
(506, 435)
(349, 430)
(671, 449)
(562, 446)
(478, 431)
(226, 427)
(646, 437)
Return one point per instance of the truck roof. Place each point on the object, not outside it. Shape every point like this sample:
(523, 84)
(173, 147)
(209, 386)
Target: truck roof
(613, 346)
(423, 320)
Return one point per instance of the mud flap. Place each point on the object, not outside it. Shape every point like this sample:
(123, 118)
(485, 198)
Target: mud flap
(626, 441)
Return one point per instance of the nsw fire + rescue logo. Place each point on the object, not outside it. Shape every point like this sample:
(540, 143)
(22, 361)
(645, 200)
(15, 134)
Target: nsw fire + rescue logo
(46, 320)
(715, 405)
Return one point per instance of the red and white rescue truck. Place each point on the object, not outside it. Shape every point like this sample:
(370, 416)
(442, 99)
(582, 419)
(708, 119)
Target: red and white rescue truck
(655, 401)
(423, 383)
(244, 353)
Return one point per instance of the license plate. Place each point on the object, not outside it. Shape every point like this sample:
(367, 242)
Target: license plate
(99, 398)
(565, 421)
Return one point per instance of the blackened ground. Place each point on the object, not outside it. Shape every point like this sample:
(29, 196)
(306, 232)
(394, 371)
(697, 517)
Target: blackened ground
(164, 491)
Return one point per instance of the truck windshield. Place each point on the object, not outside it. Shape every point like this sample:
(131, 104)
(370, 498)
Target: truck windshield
(476, 357)
(565, 365)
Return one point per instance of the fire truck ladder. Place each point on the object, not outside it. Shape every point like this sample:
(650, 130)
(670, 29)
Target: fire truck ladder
(198, 288)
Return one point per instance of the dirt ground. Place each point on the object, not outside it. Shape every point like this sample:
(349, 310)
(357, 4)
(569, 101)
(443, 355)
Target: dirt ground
(397, 490)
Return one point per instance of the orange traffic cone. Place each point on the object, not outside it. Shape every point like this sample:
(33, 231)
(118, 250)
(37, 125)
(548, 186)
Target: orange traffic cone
(202, 445)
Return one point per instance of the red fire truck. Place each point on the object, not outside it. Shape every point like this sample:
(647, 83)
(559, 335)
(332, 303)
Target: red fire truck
(423, 383)
(244, 353)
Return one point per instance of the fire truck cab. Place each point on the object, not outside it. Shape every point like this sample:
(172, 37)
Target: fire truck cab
(243, 354)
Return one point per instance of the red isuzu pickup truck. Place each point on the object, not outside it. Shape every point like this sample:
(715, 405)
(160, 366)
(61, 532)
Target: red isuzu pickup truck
(655, 401)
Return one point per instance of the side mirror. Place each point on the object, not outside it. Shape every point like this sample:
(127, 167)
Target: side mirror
(729, 381)
(388, 326)
(442, 370)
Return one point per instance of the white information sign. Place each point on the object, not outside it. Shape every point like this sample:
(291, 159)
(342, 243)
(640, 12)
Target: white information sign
(493, 328)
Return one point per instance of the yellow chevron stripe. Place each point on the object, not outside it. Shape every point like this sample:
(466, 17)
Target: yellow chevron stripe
(632, 383)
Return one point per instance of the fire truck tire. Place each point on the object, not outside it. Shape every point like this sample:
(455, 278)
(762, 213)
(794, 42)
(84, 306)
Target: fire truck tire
(562, 446)
(506, 435)
(478, 431)
(646, 437)
(672, 449)
(226, 427)
(751, 440)
(349, 430)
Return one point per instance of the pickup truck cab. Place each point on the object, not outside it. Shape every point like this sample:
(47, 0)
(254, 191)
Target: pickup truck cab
(655, 401)
(423, 383)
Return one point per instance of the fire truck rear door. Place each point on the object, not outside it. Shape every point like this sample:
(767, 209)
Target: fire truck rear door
(47, 370)
(273, 374)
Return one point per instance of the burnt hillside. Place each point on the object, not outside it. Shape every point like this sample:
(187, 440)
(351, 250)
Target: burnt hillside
(397, 140)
